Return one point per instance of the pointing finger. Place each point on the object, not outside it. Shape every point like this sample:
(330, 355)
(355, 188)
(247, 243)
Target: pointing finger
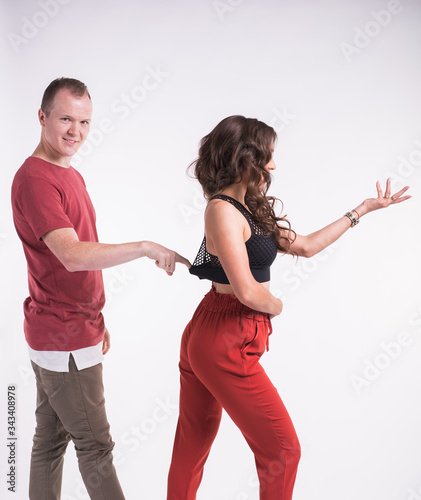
(182, 260)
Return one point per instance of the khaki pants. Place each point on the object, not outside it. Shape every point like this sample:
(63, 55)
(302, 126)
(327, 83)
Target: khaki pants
(72, 406)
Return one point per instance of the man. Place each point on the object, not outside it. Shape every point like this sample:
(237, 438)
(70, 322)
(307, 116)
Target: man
(64, 327)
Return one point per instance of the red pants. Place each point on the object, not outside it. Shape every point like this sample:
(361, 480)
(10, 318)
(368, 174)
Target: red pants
(219, 366)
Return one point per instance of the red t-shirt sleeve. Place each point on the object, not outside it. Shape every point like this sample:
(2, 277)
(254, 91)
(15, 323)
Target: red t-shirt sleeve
(40, 203)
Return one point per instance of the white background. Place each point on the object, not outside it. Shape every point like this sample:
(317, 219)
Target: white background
(346, 116)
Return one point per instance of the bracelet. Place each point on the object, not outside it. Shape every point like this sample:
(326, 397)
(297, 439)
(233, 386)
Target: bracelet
(353, 220)
(356, 213)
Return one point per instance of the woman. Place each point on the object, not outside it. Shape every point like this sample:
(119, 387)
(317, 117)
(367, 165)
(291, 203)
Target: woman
(229, 331)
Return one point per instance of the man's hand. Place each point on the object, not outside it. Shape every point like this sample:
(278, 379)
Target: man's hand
(106, 344)
(164, 258)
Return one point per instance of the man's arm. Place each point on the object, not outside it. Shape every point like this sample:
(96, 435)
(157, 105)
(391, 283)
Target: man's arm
(78, 255)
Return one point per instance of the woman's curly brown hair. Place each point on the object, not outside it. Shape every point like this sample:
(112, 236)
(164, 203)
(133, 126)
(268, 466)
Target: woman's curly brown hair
(236, 147)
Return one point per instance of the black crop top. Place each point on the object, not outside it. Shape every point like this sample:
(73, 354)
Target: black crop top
(261, 250)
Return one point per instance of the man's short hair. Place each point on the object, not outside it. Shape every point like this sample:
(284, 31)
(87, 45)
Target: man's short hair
(76, 87)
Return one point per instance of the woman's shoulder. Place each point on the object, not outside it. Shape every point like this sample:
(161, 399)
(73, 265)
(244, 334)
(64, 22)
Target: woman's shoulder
(220, 214)
(220, 206)
(217, 207)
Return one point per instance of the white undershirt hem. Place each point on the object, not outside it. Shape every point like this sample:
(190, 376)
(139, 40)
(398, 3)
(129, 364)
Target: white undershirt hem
(58, 361)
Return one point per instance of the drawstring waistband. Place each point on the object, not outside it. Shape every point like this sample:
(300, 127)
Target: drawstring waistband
(228, 303)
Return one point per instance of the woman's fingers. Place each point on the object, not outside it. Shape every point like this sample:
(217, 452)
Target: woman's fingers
(384, 201)
(396, 198)
(399, 193)
(402, 199)
(379, 190)
(388, 188)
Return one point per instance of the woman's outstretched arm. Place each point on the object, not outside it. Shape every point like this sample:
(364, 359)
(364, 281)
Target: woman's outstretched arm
(307, 246)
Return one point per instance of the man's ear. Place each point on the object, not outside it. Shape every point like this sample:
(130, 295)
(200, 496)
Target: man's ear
(41, 117)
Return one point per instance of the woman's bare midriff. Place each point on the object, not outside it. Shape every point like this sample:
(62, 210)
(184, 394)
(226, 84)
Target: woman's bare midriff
(228, 288)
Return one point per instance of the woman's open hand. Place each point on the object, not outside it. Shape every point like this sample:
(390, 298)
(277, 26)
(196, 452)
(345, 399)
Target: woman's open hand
(384, 200)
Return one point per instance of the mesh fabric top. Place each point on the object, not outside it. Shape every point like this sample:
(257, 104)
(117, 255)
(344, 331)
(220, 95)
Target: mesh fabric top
(261, 250)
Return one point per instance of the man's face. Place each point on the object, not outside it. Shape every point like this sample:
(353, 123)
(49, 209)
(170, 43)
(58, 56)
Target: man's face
(67, 125)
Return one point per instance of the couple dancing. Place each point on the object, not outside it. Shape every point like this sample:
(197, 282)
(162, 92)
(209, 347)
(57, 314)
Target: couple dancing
(222, 344)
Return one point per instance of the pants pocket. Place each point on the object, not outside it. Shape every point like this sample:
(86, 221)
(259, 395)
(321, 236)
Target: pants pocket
(255, 345)
(51, 382)
(48, 379)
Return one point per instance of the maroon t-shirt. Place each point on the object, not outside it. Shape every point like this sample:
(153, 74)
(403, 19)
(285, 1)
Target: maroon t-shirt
(63, 310)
